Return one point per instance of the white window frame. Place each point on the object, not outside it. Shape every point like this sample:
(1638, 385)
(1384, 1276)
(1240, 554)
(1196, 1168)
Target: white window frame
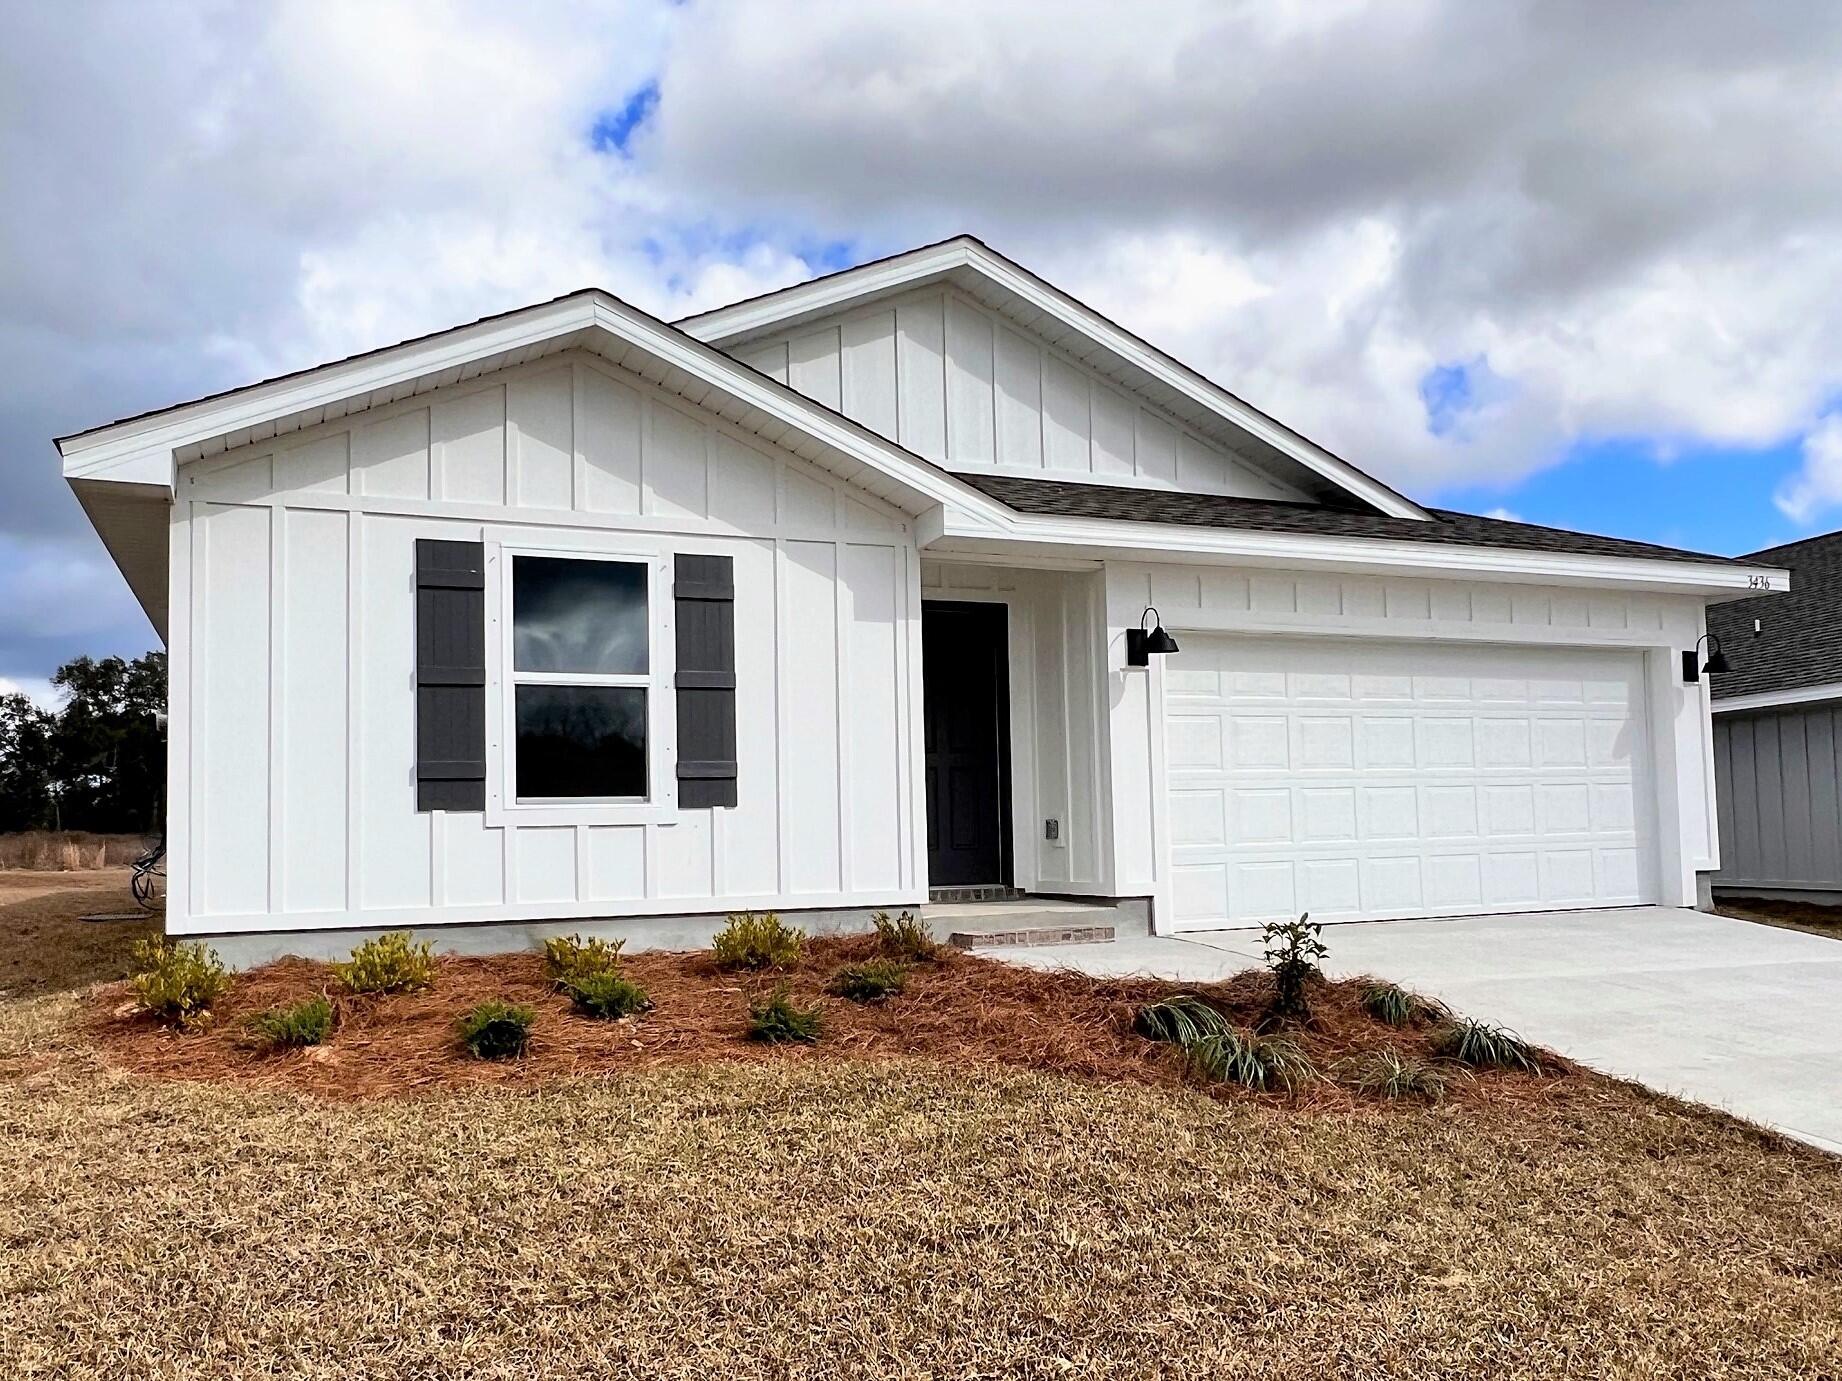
(503, 806)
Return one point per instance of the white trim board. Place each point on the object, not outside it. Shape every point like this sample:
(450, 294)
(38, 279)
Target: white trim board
(1167, 542)
(1767, 700)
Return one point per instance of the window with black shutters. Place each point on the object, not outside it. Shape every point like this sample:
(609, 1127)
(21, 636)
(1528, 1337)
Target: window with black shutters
(580, 679)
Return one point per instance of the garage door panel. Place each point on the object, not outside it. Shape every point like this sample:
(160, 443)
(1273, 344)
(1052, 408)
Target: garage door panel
(1368, 780)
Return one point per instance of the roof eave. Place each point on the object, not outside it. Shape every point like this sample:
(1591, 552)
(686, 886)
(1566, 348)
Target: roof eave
(1116, 539)
(147, 450)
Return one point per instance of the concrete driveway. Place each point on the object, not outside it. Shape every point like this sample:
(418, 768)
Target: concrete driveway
(1746, 1017)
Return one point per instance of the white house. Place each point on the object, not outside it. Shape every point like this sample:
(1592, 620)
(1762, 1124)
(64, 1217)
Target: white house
(824, 598)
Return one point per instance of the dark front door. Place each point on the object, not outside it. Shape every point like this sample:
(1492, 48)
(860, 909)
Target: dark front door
(964, 678)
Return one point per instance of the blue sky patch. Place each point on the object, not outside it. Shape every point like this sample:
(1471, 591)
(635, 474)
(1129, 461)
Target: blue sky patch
(613, 130)
(1705, 498)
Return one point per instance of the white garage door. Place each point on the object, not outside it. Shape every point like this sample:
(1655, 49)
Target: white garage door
(1362, 780)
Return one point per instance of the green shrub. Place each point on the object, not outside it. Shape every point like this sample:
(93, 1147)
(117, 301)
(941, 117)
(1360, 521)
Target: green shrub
(779, 1022)
(497, 1030)
(607, 996)
(1259, 1062)
(1388, 1074)
(392, 963)
(1484, 1046)
(870, 982)
(1182, 1020)
(758, 940)
(905, 937)
(307, 1022)
(178, 983)
(570, 958)
(1395, 1006)
(1293, 949)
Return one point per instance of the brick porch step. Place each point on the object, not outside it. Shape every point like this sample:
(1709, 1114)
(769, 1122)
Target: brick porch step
(1025, 922)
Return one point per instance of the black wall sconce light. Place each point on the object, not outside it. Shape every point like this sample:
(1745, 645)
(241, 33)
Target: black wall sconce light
(1716, 665)
(1143, 644)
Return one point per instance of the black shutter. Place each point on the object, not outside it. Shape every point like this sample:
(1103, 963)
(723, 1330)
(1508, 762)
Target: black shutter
(704, 593)
(450, 675)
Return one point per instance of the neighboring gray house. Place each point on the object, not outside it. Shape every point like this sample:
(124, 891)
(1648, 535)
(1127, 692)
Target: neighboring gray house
(1778, 730)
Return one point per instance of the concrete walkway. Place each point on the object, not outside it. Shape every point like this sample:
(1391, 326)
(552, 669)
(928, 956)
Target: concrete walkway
(1746, 1017)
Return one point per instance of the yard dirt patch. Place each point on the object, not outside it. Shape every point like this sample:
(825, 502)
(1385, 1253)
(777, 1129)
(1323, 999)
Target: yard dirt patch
(1791, 915)
(46, 946)
(866, 1212)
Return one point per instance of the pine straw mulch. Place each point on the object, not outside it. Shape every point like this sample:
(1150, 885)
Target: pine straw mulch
(959, 1009)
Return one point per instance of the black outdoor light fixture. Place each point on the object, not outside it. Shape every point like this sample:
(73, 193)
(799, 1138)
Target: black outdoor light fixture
(1716, 665)
(1141, 645)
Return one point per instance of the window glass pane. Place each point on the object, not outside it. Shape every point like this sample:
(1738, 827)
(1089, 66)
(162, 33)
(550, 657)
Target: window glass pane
(581, 741)
(578, 616)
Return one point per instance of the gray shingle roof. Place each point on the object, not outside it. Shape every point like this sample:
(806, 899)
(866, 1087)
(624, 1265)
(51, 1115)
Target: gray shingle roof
(1800, 633)
(1062, 498)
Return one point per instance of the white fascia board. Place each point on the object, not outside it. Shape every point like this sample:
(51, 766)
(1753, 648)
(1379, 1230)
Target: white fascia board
(728, 325)
(141, 450)
(97, 453)
(724, 326)
(1161, 542)
(1770, 700)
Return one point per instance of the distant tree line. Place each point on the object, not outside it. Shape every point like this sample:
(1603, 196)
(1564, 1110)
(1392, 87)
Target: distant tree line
(98, 762)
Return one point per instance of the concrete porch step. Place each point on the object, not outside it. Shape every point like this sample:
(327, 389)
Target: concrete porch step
(1028, 922)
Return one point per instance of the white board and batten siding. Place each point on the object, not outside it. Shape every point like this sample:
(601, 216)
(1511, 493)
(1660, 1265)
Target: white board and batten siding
(293, 664)
(1360, 747)
(959, 385)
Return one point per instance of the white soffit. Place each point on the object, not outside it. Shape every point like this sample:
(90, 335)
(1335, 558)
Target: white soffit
(1039, 307)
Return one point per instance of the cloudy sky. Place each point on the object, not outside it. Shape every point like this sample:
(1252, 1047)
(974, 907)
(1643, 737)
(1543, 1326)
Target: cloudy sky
(1580, 263)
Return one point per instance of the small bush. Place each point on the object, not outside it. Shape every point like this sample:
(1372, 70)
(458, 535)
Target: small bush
(758, 940)
(1387, 1074)
(293, 1024)
(497, 1030)
(392, 963)
(1395, 1006)
(1259, 1062)
(1182, 1020)
(178, 983)
(779, 1022)
(905, 937)
(871, 982)
(1293, 949)
(607, 996)
(570, 958)
(1484, 1046)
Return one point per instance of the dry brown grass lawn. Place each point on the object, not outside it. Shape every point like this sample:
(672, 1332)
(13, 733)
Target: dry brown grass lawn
(832, 1218)
(69, 850)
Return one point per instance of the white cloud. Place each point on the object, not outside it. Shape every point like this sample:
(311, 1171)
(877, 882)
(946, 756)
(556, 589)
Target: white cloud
(1635, 226)
(1504, 515)
(36, 689)
(1816, 488)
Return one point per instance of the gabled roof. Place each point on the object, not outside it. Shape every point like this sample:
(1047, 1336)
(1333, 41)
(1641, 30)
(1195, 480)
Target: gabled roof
(1799, 643)
(146, 448)
(124, 472)
(1040, 307)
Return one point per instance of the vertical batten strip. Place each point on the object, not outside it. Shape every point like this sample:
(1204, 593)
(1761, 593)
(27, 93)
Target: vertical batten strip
(278, 580)
(842, 611)
(354, 723)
